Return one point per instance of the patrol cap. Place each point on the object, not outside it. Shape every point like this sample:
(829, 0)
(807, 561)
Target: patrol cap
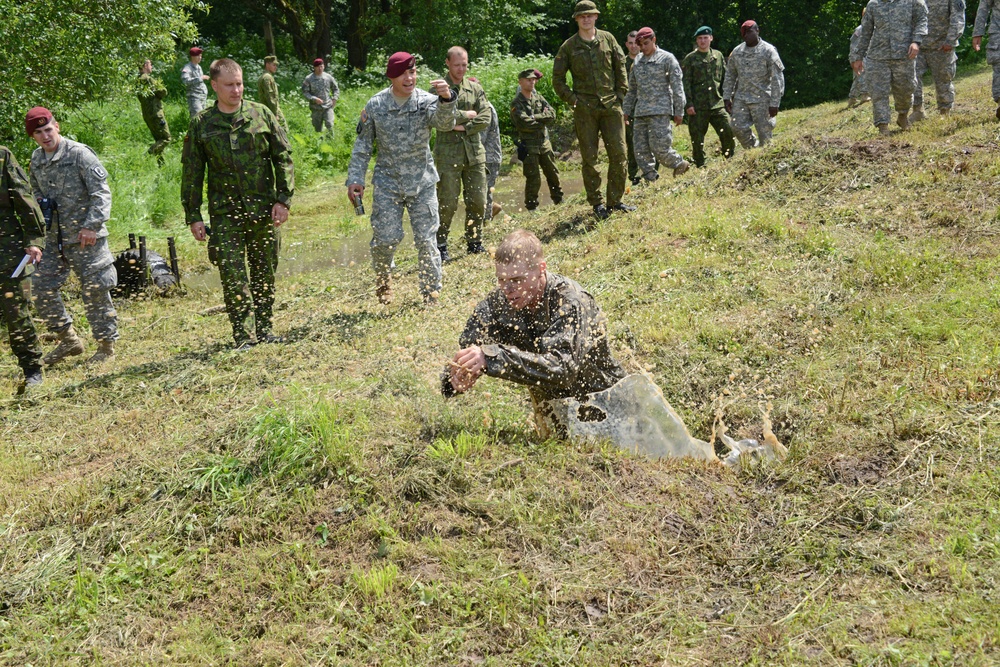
(644, 33)
(318, 62)
(195, 51)
(703, 30)
(585, 7)
(398, 63)
(36, 118)
(746, 26)
(529, 73)
(271, 59)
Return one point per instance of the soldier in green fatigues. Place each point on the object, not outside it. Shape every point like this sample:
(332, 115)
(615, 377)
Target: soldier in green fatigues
(151, 93)
(704, 71)
(22, 231)
(461, 158)
(267, 90)
(250, 186)
(600, 83)
(531, 114)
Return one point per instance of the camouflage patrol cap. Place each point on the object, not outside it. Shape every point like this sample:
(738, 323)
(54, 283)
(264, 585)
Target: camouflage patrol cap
(271, 59)
(529, 73)
(703, 30)
(585, 7)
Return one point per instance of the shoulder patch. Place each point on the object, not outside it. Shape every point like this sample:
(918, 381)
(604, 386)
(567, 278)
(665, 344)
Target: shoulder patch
(99, 171)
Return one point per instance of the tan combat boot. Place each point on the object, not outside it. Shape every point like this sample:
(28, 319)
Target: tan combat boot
(917, 115)
(70, 345)
(902, 121)
(682, 168)
(105, 351)
(383, 289)
(944, 112)
(883, 129)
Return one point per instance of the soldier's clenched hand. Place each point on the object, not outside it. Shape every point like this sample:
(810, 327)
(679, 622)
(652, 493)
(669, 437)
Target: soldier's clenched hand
(198, 231)
(858, 66)
(772, 111)
(87, 237)
(466, 367)
(690, 111)
(914, 51)
(678, 120)
(729, 106)
(279, 214)
(34, 252)
(441, 89)
(977, 42)
(354, 193)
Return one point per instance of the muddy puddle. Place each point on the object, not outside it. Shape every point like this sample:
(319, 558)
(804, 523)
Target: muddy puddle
(301, 258)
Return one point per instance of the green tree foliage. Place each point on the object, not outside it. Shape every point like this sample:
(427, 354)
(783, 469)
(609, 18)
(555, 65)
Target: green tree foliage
(64, 53)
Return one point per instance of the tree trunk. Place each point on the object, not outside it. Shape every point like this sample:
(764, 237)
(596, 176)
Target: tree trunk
(357, 50)
(268, 38)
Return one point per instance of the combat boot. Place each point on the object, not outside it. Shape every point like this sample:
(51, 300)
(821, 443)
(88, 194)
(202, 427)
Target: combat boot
(917, 115)
(883, 129)
(70, 345)
(32, 378)
(383, 289)
(681, 169)
(105, 351)
(944, 112)
(443, 250)
(902, 121)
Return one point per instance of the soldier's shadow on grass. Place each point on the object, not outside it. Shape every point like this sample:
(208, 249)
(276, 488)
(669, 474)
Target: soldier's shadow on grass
(580, 223)
(342, 327)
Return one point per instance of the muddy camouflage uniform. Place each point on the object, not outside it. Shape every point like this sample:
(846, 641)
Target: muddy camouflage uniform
(461, 163)
(531, 118)
(989, 12)
(197, 92)
(887, 30)
(404, 177)
(599, 87)
(754, 82)
(267, 94)
(151, 93)
(859, 87)
(75, 179)
(557, 350)
(21, 225)
(325, 88)
(704, 74)
(494, 156)
(249, 165)
(945, 25)
(655, 96)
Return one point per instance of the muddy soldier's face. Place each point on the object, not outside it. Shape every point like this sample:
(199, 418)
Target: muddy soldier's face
(522, 283)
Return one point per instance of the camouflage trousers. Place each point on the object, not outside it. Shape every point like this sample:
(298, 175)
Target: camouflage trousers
(890, 76)
(196, 104)
(94, 266)
(492, 172)
(21, 330)
(698, 127)
(593, 124)
(633, 166)
(470, 179)
(387, 233)
(654, 139)
(942, 65)
(246, 253)
(161, 133)
(322, 119)
(859, 87)
(750, 115)
(544, 160)
(993, 58)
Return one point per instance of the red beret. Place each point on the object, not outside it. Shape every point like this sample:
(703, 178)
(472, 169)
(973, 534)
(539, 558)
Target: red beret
(644, 33)
(318, 62)
(398, 63)
(537, 73)
(194, 51)
(36, 118)
(746, 26)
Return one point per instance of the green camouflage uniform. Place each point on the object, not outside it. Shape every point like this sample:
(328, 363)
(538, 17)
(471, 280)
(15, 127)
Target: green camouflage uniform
(249, 166)
(461, 162)
(267, 94)
(704, 74)
(531, 116)
(21, 225)
(151, 94)
(599, 87)
(559, 349)
(74, 178)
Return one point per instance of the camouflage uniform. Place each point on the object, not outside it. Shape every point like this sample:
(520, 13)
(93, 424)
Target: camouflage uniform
(267, 94)
(404, 177)
(633, 166)
(887, 30)
(249, 166)
(559, 349)
(754, 82)
(945, 25)
(151, 94)
(599, 87)
(704, 74)
(859, 87)
(75, 179)
(531, 118)
(494, 156)
(655, 95)
(989, 12)
(325, 88)
(197, 92)
(21, 225)
(461, 162)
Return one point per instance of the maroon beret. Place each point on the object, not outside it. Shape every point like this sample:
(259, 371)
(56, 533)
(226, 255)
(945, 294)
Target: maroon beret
(537, 73)
(398, 63)
(36, 118)
(746, 26)
(318, 62)
(644, 33)
(194, 51)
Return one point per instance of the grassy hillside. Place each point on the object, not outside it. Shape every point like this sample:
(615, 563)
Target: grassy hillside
(318, 503)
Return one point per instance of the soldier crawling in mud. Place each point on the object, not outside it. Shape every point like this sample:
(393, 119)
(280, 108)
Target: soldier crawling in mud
(536, 328)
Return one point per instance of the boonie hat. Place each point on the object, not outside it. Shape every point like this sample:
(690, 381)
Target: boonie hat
(271, 59)
(585, 7)
(36, 118)
(703, 30)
